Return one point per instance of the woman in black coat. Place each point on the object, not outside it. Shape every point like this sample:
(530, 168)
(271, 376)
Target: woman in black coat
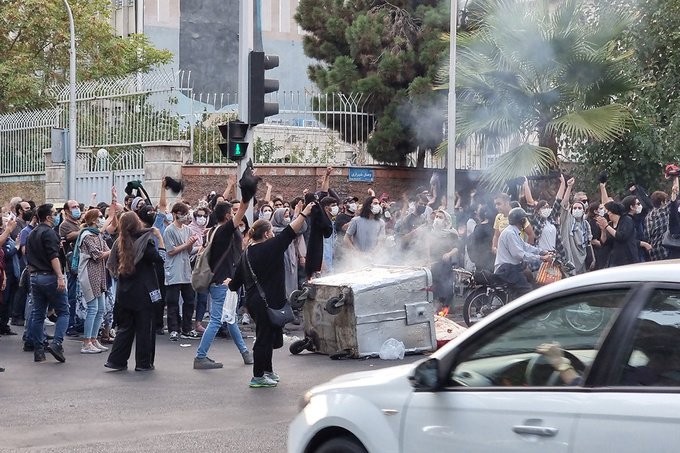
(132, 261)
(620, 237)
(265, 255)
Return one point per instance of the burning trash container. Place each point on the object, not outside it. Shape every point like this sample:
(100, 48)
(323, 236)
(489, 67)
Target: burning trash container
(352, 314)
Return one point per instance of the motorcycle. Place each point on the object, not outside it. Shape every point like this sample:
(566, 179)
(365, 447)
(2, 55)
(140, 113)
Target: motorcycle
(486, 293)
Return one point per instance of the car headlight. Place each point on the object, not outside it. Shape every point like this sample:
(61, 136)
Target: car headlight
(304, 400)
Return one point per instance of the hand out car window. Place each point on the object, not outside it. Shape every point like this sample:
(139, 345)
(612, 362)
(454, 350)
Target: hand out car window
(654, 359)
(572, 326)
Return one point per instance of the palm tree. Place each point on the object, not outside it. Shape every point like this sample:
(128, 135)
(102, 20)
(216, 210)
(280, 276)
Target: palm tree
(535, 73)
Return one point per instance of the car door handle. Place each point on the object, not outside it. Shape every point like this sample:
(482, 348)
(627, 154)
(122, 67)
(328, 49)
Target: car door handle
(543, 431)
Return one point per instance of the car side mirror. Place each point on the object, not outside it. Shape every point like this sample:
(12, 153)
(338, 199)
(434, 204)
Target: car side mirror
(425, 376)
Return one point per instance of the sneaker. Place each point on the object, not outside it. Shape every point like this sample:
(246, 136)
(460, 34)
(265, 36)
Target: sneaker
(259, 382)
(193, 335)
(28, 346)
(90, 348)
(273, 376)
(48, 322)
(57, 352)
(174, 336)
(99, 346)
(246, 319)
(39, 355)
(247, 357)
(206, 363)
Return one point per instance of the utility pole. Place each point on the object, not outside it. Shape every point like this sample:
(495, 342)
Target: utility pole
(245, 45)
(72, 128)
(451, 120)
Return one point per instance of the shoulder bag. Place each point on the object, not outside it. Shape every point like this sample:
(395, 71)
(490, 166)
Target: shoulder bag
(670, 241)
(277, 316)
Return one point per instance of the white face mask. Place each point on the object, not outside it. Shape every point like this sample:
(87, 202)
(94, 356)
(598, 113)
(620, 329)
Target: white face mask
(267, 215)
(545, 212)
(601, 212)
(439, 224)
(638, 209)
(352, 207)
(168, 217)
(388, 215)
(201, 221)
(334, 210)
(376, 209)
(100, 223)
(577, 213)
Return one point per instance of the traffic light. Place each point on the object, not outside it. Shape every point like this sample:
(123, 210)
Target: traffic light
(258, 86)
(235, 134)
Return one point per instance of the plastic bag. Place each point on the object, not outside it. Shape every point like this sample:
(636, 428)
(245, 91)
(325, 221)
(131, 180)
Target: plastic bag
(392, 349)
(229, 307)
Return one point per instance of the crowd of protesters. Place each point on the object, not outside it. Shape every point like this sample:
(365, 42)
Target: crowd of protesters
(118, 273)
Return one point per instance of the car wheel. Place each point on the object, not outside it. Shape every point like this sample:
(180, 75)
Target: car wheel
(341, 445)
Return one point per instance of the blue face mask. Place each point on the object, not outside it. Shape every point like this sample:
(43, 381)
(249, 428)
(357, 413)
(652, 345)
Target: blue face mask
(75, 213)
(56, 220)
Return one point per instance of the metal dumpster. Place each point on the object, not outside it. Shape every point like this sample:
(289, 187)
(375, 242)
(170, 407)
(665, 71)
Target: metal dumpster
(353, 313)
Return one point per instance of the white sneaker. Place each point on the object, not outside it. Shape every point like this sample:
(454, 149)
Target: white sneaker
(89, 349)
(48, 322)
(99, 346)
(246, 319)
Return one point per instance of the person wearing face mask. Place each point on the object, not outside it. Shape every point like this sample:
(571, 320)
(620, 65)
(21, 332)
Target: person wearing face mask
(69, 228)
(331, 210)
(656, 225)
(406, 228)
(92, 253)
(600, 250)
(199, 222)
(266, 212)
(179, 241)
(366, 231)
(545, 222)
(634, 208)
(575, 230)
(291, 258)
(345, 216)
(620, 237)
(443, 246)
(48, 285)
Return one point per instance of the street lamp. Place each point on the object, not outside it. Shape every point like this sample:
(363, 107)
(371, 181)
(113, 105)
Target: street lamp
(72, 131)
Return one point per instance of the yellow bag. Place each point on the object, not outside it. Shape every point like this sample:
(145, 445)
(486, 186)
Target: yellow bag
(548, 273)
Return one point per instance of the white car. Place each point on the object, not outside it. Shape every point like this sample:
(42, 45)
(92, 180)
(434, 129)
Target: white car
(616, 389)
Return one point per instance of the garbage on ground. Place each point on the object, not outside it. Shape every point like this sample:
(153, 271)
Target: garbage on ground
(392, 349)
(446, 330)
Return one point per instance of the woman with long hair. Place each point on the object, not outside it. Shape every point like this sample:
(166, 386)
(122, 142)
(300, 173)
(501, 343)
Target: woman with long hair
(132, 261)
(366, 230)
(92, 253)
(265, 256)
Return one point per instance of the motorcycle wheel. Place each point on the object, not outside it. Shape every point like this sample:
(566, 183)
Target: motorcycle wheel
(478, 305)
(583, 319)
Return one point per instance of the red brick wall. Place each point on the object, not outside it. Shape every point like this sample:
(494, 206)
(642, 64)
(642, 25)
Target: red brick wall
(290, 181)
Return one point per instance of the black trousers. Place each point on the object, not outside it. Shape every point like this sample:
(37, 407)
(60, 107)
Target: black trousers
(268, 338)
(172, 293)
(159, 307)
(137, 323)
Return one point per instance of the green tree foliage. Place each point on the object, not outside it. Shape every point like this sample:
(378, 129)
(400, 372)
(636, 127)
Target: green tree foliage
(34, 49)
(654, 139)
(537, 72)
(388, 50)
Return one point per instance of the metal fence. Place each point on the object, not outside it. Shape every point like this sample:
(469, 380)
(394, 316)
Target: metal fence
(126, 112)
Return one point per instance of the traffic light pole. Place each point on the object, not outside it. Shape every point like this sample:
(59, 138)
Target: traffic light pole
(245, 45)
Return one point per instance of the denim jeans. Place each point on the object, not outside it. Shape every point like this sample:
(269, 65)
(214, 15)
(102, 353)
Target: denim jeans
(72, 286)
(217, 295)
(201, 305)
(95, 313)
(44, 294)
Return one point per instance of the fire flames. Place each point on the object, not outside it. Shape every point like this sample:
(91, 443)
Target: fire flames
(444, 312)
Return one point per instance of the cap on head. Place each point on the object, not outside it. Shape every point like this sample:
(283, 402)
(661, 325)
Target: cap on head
(516, 216)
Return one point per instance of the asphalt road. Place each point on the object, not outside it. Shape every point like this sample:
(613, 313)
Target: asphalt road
(80, 406)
